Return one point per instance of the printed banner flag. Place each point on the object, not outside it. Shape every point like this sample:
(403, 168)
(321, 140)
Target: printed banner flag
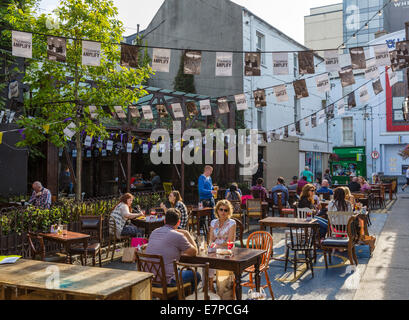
(314, 121)
(382, 56)
(162, 111)
(323, 84)
(69, 131)
(192, 109)
(358, 59)
(330, 112)
(340, 107)
(363, 94)
(145, 148)
(307, 123)
(134, 112)
(292, 131)
(377, 86)
(129, 56)
(193, 62)
(205, 108)
(347, 77)
(331, 60)
(351, 100)
(224, 64)
(300, 88)
(371, 71)
(280, 63)
(281, 133)
(241, 102)
(88, 141)
(110, 145)
(260, 98)
(120, 112)
(252, 62)
(393, 78)
(281, 93)
(91, 53)
(321, 116)
(129, 147)
(57, 49)
(22, 44)
(147, 112)
(286, 132)
(93, 112)
(223, 105)
(177, 111)
(306, 62)
(161, 60)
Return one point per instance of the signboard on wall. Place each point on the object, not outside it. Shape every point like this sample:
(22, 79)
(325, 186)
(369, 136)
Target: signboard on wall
(396, 14)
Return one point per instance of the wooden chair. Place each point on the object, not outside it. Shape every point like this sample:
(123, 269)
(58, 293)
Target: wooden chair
(254, 209)
(339, 236)
(258, 194)
(237, 210)
(91, 225)
(37, 249)
(205, 294)
(114, 239)
(154, 264)
(325, 195)
(239, 231)
(284, 212)
(260, 240)
(300, 239)
(302, 213)
(394, 189)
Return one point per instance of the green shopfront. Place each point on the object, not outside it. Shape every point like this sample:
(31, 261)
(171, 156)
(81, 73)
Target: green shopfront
(347, 162)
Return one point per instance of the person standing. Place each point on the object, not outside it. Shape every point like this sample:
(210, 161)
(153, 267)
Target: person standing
(307, 173)
(328, 177)
(206, 190)
(41, 196)
(407, 180)
(156, 182)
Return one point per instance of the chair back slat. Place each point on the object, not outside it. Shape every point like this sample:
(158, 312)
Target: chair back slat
(302, 237)
(302, 213)
(180, 267)
(261, 240)
(153, 264)
(239, 231)
(338, 223)
(253, 205)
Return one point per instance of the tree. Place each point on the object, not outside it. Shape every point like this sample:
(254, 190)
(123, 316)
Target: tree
(184, 82)
(61, 92)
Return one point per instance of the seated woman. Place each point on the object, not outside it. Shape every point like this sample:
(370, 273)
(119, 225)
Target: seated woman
(233, 194)
(122, 214)
(340, 203)
(365, 187)
(222, 230)
(176, 202)
(349, 197)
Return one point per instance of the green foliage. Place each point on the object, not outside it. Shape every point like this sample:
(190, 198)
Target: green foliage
(184, 82)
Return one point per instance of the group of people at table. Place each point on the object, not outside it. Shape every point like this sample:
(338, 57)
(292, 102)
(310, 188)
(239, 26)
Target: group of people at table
(173, 239)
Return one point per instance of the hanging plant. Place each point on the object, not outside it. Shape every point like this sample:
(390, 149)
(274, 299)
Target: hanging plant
(334, 157)
(404, 153)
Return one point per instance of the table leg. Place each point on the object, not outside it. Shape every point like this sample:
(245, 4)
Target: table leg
(257, 274)
(85, 250)
(237, 279)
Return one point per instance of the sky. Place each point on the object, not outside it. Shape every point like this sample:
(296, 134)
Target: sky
(287, 16)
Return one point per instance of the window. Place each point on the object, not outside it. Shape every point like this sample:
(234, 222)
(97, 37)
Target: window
(348, 131)
(261, 46)
(260, 122)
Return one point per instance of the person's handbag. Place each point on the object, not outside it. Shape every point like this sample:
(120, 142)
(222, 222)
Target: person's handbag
(129, 255)
(225, 284)
(254, 295)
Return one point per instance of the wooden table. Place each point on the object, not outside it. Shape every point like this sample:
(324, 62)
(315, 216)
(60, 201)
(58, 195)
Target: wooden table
(237, 263)
(388, 188)
(148, 226)
(67, 239)
(278, 222)
(75, 282)
(197, 214)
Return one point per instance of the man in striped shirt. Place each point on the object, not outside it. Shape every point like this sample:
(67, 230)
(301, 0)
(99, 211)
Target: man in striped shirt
(41, 196)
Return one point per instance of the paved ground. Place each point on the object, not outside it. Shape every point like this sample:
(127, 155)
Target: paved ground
(384, 276)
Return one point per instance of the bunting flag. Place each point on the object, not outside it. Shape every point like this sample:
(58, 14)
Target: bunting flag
(193, 62)
(91, 53)
(129, 55)
(162, 111)
(224, 64)
(120, 112)
(1, 137)
(321, 116)
(331, 60)
(252, 65)
(372, 70)
(323, 84)
(88, 141)
(281, 93)
(22, 44)
(241, 102)
(291, 130)
(363, 94)
(177, 111)
(393, 78)
(300, 88)
(351, 100)
(161, 60)
(145, 148)
(340, 107)
(93, 112)
(314, 121)
(377, 86)
(306, 62)
(286, 132)
(69, 131)
(281, 133)
(298, 127)
(2, 113)
(192, 109)
(307, 123)
(382, 56)
(358, 59)
(280, 63)
(205, 108)
(260, 98)
(147, 112)
(46, 128)
(223, 105)
(110, 145)
(331, 112)
(134, 112)
(129, 147)
(347, 76)
(57, 49)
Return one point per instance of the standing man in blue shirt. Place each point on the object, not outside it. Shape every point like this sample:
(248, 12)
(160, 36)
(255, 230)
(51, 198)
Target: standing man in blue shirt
(307, 173)
(206, 190)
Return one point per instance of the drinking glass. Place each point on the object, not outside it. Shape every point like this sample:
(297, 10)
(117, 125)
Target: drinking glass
(230, 245)
(64, 229)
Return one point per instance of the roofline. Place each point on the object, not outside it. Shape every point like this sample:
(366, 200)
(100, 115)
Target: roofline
(284, 35)
(328, 5)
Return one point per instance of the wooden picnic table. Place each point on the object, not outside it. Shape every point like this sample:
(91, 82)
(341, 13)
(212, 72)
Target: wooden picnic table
(32, 280)
(241, 259)
(67, 239)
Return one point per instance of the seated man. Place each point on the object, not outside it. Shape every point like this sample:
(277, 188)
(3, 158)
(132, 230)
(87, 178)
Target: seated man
(280, 187)
(170, 243)
(258, 191)
(301, 183)
(354, 186)
(325, 188)
(293, 185)
(41, 196)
